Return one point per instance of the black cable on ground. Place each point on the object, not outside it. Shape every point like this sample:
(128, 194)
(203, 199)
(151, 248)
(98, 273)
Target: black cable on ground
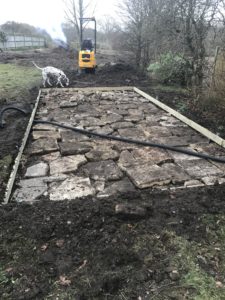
(131, 141)
(10, 108)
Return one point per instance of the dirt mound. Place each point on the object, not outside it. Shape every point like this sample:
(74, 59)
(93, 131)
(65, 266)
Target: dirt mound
(84, 250)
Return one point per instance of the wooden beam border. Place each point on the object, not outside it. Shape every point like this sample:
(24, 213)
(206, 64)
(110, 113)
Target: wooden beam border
(207, 133)
(18, 158)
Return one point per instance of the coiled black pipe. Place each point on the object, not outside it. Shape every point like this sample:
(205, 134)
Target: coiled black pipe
(131, 141)
(10, 108)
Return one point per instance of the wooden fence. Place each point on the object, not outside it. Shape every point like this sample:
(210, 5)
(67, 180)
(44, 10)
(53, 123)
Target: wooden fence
(22, 41)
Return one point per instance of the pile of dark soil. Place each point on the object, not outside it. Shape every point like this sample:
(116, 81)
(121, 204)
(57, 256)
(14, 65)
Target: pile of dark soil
(84, 250)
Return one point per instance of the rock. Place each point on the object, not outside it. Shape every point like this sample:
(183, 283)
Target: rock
(107, 96)
(91, 121)
(221, 180)
(51, 156)
(132, 133)
(71, 189)
(143, 156)
(37, 170)
(200, 168)
(134, 118)
(155, 131)
(219, 284)
(67, 104)
(39, 134)
(111, 118)
(101, 153)
(99, 185)
(181, 156)
(103, 170)
(105, 130)
(122, 187)
(30, 190)
(202, 260)
(148, 175)
(43, 146)
(45, 127)
(66, 164)
(210, 180)
(56, 178)
(70, 136)
(121, 125)
(130, 210)
(71, 148)
(193, 183)
(174, 275)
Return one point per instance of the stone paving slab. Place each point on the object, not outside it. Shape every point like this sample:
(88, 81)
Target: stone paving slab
(71, 189)
(64, 165)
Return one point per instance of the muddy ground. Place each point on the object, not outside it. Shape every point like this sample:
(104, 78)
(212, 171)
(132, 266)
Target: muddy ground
(83, 250)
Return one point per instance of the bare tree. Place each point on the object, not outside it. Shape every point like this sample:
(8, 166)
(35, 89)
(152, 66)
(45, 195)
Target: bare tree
(75, 10)
(135, 15)
(155, 27)
(110, 33)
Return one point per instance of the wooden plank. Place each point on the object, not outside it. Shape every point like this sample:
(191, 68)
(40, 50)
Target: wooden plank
(100, 88)
(18, 158)
(210, 135)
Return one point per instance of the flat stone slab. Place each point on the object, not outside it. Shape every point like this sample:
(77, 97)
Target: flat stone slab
(146, 176)
(66, 164)
(70, 136)
(68, 104)
(121, 125)
(71, 189)
(30, 190)
(200, 168)
(72, 148)
(38, 170)
(143, 156)
(50, 157)
(105, 130)
(121, 187)
(43, 146)
(70, 165)
(104, 170)
(132, 133)
(91, 121)
(44, 127)
(183, 157)
(152, 131)
(111, 118)
(39, 134)
(102, 153)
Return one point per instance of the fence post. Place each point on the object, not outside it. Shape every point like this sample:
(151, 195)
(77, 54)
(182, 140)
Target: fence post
(14, 40)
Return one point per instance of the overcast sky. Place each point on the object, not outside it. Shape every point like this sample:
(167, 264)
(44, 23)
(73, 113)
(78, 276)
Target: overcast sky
(48, 14)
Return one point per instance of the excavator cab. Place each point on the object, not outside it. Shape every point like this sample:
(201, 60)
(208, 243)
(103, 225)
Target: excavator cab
(87, 60)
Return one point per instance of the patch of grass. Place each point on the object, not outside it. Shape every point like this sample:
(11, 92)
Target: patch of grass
(15, 80)
(3, 278)
(5, 164)
(171, 89)
(202, 264)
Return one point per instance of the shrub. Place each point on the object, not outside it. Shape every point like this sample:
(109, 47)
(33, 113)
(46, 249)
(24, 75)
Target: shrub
(3, 37)
(172, 68)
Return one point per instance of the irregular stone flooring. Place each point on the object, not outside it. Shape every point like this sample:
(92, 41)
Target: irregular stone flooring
(59, 164)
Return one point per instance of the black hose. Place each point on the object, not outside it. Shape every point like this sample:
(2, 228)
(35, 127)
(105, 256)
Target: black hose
(10, 108)
(131, 141)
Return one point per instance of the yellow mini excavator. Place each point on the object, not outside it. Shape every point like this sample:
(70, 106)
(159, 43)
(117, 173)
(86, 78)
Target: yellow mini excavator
(87, 59)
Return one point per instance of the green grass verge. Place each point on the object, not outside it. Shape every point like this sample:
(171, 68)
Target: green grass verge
(17, 80)
(203, 264)
(171, 89)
